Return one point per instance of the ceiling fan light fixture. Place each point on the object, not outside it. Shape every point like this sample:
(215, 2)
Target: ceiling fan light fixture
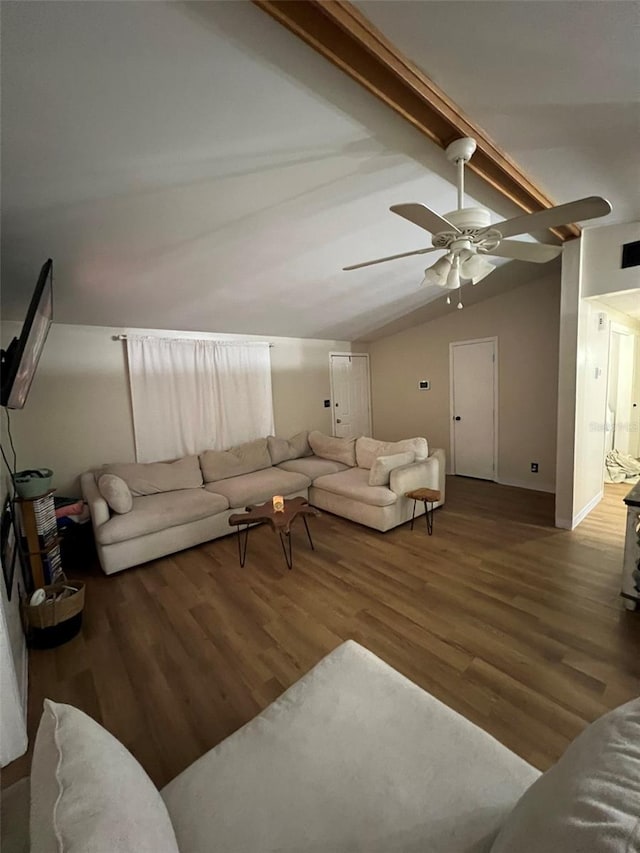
(438, 273)
(476, 268)
(453, 279)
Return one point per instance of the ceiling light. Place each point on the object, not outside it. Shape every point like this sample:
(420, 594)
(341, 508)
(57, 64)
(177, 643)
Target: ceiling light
(437, 274)
(453, 279)
(476, 268)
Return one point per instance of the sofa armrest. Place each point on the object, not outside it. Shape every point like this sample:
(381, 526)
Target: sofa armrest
(426, 474)
(98, 507)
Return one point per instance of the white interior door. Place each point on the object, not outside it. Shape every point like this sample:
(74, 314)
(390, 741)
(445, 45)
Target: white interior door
(350, 394)
(473, 408)
(620, 400)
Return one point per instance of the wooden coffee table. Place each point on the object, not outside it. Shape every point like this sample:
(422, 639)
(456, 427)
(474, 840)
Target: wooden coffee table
(280, 523)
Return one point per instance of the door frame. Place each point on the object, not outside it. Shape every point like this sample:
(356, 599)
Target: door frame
(333, 408)
(452, 439)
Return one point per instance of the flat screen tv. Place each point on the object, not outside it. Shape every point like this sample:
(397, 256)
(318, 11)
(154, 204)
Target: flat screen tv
(20, 359)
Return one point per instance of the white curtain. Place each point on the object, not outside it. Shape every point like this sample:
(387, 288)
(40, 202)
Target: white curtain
(193, 395)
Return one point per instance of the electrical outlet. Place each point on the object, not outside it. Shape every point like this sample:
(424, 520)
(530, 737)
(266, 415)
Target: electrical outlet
(534, 467)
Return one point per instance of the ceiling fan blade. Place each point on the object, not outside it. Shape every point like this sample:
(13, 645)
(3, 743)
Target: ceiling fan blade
(538, 253)
(391, 258)
(564, 214)
(424, 217)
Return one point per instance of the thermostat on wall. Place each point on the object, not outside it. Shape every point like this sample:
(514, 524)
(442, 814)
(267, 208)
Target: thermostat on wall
(424, 385)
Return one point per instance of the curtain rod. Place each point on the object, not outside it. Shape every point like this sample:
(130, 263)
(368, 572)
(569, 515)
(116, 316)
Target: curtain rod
(213, 340)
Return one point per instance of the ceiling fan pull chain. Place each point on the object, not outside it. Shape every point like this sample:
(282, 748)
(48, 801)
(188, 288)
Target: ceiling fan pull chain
(460, 305)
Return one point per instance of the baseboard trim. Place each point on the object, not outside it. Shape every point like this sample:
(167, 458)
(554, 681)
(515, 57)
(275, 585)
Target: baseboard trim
(521, 484)
(584, 512)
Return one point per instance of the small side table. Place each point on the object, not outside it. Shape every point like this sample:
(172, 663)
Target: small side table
(427, 496)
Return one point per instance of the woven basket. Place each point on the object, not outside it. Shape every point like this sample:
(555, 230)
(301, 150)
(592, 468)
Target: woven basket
(54, 612)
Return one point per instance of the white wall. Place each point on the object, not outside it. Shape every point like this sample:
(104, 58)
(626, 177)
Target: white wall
(525, 320)
(590, 267)
(78, 413)
(13, 665)
(602, 256)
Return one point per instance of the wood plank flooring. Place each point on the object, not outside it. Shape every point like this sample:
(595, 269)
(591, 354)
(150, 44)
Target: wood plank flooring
(513, 623)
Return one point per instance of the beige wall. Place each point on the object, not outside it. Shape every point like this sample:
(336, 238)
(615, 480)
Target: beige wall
(78, 414)
(525, 321)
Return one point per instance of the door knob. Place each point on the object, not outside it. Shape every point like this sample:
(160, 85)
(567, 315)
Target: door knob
(457, 418)
(338, 421)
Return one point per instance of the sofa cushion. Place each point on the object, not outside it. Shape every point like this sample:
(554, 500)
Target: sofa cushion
(157, 512)
(354, 483)
(281, 449)
(384, 465)
(89, 794)
(259, 486)
(151, 478)
(353, 758)
(115, 492)
(243, 459)
(367, 449)
(313, 466)
(338, 449)
(590, 799)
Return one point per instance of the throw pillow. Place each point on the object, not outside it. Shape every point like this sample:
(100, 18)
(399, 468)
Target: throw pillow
(384, 465)
(282, 449)
(243, 459)
(367, 449)
(589, 800)
(337, 449)
(89, 793)
(151, 478)
(115, 492)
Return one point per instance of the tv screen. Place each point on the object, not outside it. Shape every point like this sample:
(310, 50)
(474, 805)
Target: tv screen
(20, 360)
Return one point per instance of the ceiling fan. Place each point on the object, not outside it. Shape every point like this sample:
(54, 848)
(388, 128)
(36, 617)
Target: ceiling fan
(468, 235)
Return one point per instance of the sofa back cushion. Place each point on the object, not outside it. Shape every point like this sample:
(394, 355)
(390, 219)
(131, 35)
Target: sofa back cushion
(88, 793)
(151, 478)
(243, 459)
(589, 800)
(383, 466)
(367, 449)
(337, 449)
(116, 493)
(283, 449)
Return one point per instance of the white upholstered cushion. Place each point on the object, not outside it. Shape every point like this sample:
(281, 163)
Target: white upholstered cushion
(329, 447)
(589, 800)
(151, 478)
(158, 512)
(115, 492)
(89, 794)
(353, 758)
(259, 486)
(384, 465)
(313, 466)
(367, 449)
(354, 483)
(282, 449)
(243, 459)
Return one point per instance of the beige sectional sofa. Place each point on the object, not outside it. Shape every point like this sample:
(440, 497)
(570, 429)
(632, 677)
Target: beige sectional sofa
(353, 758)
(144, 511)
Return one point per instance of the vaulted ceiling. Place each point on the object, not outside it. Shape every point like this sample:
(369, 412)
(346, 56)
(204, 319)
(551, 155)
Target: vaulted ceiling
(195, 166)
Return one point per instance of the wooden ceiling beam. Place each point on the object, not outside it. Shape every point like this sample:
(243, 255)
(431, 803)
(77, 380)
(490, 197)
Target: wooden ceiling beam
(339, 31)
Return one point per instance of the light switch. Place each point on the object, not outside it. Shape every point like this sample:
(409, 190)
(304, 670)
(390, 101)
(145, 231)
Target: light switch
(424, 385)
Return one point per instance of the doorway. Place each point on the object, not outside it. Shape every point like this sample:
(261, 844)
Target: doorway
(350, 394)
(474, 407)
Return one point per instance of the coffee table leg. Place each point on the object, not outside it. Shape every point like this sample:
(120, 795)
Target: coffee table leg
(288, 556)
(242, 546)
(306, 527)
(413, 514)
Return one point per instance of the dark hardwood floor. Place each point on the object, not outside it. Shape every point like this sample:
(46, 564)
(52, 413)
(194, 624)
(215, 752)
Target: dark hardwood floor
(513, 623)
